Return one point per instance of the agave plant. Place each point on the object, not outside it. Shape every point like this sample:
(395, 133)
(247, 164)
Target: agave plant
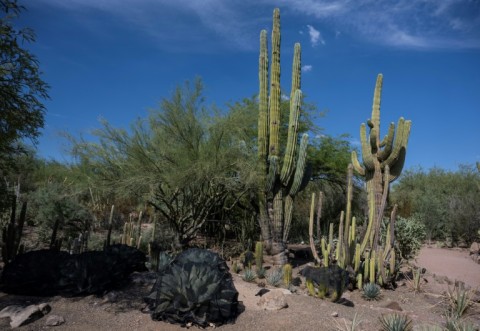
(195, 287)
(396, 322)
(459, 300)
(249, 275)
(371, 291)
(274, 277)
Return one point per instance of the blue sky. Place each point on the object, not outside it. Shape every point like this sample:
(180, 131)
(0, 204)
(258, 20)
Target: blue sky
(116, 59)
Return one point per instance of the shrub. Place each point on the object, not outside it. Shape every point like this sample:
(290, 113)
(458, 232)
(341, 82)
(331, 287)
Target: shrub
(409, 235)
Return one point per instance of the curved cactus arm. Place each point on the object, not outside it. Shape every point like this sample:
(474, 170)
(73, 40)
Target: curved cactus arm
(367, 155)
(275, 93)
(289, 158)
(300, 168)
(356, 164)
(387, 143)
(263, 100)
(397, 167)
(401, 141)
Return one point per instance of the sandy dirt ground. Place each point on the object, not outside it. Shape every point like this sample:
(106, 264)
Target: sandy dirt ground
(122, 310)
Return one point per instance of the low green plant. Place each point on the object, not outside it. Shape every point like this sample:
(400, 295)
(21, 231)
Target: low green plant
(261, 272)
(249, 275)
(458, 300)
(395, 322)
(415, 282)
(455, 324)
(274, 277)
(371, 291)
(347, 326)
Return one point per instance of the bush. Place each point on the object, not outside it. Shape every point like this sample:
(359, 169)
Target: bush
(409, 235)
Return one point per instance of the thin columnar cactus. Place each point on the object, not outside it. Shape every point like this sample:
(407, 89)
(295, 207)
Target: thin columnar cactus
(259, 254)
(12, 233)
(281, 177)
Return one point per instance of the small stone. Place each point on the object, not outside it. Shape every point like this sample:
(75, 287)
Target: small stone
(54, 320)
(334, 314)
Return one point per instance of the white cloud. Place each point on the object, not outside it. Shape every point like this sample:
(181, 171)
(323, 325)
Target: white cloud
(420, 24)
(307, 68)
(315, 36)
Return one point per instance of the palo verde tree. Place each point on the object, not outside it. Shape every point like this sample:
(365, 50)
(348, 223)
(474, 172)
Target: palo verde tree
(183, 160)
(21, 87)
(281, 178)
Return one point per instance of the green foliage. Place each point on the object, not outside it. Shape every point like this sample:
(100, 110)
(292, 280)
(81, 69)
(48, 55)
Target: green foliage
(447, 202)
(396, 322)
(409, 235)
(56, 210)
(371, 291)
(21, 89)
(261, 272)
(185, 162)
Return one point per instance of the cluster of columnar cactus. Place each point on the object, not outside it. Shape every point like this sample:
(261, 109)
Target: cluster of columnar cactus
(382, 163)
(282, 176)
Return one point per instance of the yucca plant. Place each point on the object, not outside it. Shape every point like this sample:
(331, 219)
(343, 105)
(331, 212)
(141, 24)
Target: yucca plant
(395, 322)
(459, 300)
(274, 277)
(347, 326)
(371, 291)
(454, 324)
(415, 282)
(249, 275)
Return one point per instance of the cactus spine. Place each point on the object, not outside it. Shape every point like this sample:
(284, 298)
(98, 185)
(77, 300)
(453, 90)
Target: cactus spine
(280, 180)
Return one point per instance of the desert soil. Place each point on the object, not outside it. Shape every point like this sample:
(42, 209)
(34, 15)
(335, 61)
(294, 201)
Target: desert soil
(122, 310)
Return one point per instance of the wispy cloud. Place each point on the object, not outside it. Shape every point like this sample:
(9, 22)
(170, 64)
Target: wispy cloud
(423, 24)
(315, 36)
(307, 68)
(418, 24)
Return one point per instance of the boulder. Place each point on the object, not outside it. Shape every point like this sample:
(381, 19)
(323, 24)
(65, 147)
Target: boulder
(20, 315)
(273, 300)
(474, 248)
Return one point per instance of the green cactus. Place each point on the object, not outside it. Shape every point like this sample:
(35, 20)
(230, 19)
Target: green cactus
(287, 274)
(280, 178)
(380, 157)
(259, 254)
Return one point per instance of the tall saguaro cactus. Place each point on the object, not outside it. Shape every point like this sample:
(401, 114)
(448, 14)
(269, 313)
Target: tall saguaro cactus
(382, 162)
(281, 177)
